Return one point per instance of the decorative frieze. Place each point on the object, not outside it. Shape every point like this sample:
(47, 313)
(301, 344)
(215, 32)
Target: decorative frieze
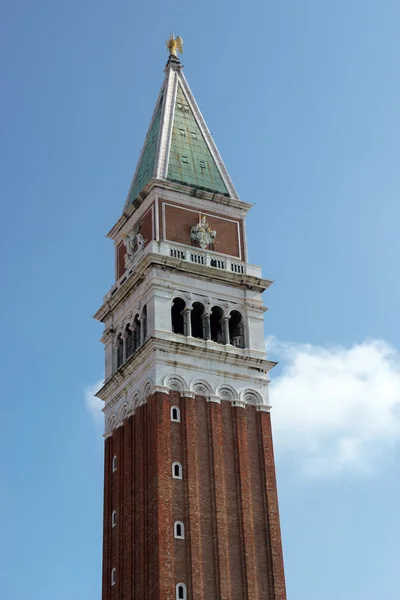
(117, 412)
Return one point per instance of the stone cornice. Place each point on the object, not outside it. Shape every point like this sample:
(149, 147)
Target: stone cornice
(168, 352)
(166, 262)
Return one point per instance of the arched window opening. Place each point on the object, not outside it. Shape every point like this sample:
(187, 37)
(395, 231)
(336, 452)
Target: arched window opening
(217, 334)
(177, 470)
(129, 341)
(197, 320)
(177, 316)
(120, 351)
(179, 530)
(113, 576)
(114, 463)
(114, 518)
(175, 414)
(144, 322)
(136, 332)
(181, 591)
(236, 337)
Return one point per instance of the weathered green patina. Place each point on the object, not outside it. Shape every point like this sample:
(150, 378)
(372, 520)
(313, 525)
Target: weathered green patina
(190, 160)
(146, 166)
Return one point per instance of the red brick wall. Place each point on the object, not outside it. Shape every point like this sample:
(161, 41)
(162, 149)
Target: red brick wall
(179, 220)
(227, 501)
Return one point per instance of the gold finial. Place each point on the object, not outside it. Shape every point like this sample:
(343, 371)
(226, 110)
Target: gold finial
(174, 44)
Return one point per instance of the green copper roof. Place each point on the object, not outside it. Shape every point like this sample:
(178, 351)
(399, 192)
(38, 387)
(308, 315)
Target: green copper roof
(146, 167)
(190, 160)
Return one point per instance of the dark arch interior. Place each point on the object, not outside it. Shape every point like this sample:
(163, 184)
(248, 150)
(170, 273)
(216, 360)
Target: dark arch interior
(129, 341)
(216, 324)
(197, 320)
(144, 321)
(177, 316)
(181, 593)
(236, 329)
(120, 351)
(136, 331)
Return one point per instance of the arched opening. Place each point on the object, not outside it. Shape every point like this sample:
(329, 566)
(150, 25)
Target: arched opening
(120, 351)
(181, 591)
(177, 470)
(113, 576)
(144, 322)
(129, 341)
(197, 320)
(114, 518)
(236, 337)
(177, 316)
(136, 332)
(175, 414)
(217, 334)
(179, 530)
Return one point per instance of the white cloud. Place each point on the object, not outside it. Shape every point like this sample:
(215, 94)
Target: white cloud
(336, 409)
(94, 404)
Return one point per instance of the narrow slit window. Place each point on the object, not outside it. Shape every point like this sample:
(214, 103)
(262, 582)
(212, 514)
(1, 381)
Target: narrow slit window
(113, 576)
(114, 464)
(181, 591)
(175, 414)
(202, 166)
(193, 135)
(179, 530)
(114, 518)
(177, 470)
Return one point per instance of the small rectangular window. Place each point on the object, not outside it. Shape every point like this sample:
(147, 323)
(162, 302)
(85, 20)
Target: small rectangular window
(193, 135)
(182, 132)
(185, 159)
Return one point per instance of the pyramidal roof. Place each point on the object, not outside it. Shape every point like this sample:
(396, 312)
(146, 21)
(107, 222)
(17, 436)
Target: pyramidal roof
(178, 145)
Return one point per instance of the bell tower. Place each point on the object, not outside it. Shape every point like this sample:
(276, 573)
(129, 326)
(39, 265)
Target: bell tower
(190, 499)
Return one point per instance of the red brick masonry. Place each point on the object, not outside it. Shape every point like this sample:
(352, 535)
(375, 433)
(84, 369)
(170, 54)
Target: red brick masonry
(227, 501)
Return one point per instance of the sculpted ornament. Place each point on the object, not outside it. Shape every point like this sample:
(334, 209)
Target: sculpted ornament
(203, 234)
(134, 244)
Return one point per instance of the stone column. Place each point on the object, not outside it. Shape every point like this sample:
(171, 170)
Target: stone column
(141, 332)
(125, 345)
(187, 321)
(206, 326)
(226, 330)
(245, 332)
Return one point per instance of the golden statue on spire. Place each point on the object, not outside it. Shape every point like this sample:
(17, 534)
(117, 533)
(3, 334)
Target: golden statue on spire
(174, 44)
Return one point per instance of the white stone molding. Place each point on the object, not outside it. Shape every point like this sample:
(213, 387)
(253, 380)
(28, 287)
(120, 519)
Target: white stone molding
(212, 398)
(238, 403)
(264, 408)
(201, 387)
(123, 412)
(227, 392)
(161, 389)
(147, 388)
(187, 394)
(250, 396)
(135, 400)
(175, 382)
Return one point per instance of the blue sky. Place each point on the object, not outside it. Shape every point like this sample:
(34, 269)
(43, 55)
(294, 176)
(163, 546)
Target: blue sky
(302, 99)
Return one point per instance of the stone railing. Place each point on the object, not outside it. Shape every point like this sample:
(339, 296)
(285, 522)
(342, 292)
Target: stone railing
(194, 255)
